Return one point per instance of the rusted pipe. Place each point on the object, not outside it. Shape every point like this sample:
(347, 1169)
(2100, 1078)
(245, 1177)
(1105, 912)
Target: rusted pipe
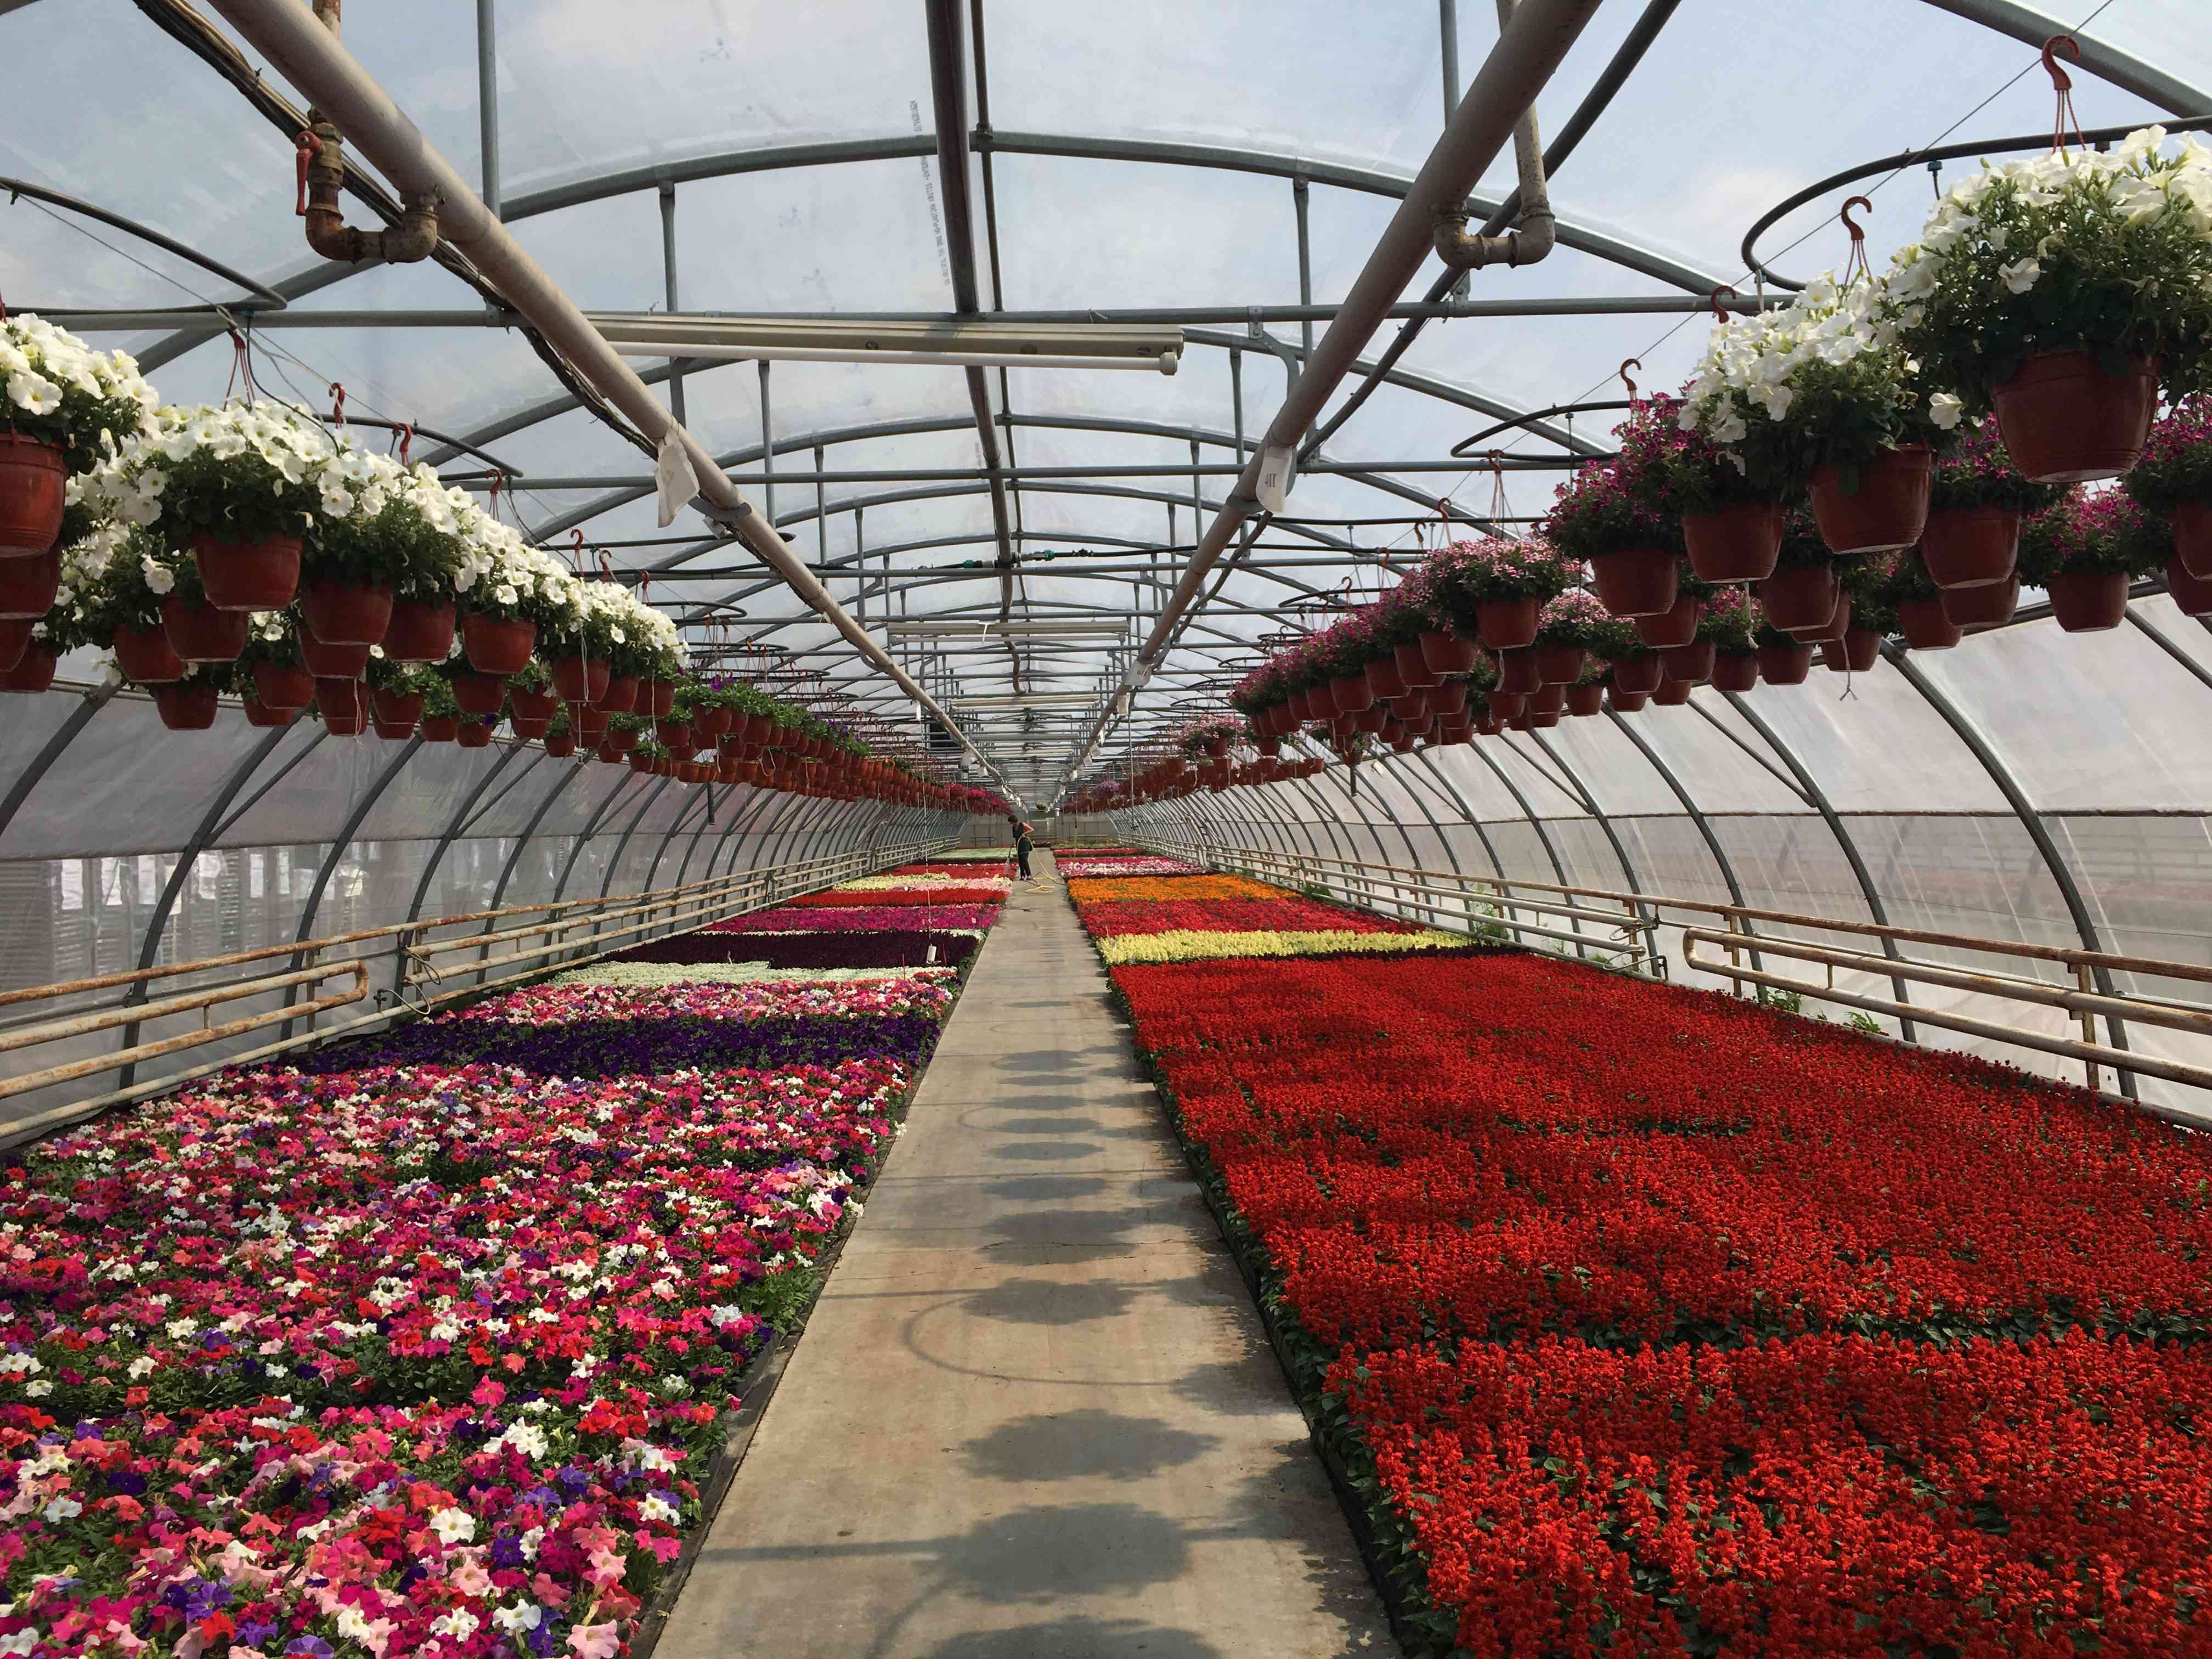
(1534, 231)
(321, 167)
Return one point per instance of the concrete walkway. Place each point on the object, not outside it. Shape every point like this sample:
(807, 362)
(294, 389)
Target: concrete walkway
(1035, 1416)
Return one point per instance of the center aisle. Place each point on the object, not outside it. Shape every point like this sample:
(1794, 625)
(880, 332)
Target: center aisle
(1034, 1415)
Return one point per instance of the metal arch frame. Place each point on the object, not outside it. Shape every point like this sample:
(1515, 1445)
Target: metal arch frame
(624, 778)
(675, 827)
(614, 858)
(453, 830)
(1331, 815)
(158, 923)
(530, 832)
(1696, 816)
(63, 735)
(733, 837)
(1543, 836)
(1441, 780)
(214, 267)
(1611, 836)
(350, 828)
(322, 735)
(1964, 727)
(1876, 910)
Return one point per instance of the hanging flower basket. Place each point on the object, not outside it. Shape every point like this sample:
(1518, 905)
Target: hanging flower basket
(2191, 523)
(663, 700)
(562, 744)
(142, 652)
(482, 695)
(15, 640)
(475, 734)
(200, 632)
(1508, 624)
(1516, 672)
(709, 720)
(1352, 694)
(1991, 604)
(590, 724)
(2067, 420)
(579, 680)
(393, 707)
(2191, 594)
(1862, 648)
(1925, 625)
(1734, 544)
(1414, 706)
(33, 671)
(1691, 664)
(440, 728)
(498, 645)
(1627, 703)
(283, 685)
(346, 613)
(1677, 625)
(1413, 660)
(1384, 677)
(1735, 670)
(1639, 674)
(260, 714)
(2086, 551)
(29, 585)
(1888, 508)
(33, 484)
(262, 574)
(421, 630)
(1672, 693)
(185, 705)
(1784, 664)
(2088, 601)
(621, 695)
(1838, 623)
(1586, 699)
(1803, 597)
(1971, 546)
(527, 702)
(1635, 581)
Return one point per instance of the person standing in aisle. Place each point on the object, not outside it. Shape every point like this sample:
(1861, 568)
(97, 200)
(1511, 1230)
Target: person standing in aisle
(1024, 843)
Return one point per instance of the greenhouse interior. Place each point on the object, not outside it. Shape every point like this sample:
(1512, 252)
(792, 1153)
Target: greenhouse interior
(925, 829)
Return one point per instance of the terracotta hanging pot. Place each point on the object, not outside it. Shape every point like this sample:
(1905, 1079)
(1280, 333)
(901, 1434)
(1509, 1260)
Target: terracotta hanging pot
(2191, 594)
(283, 685)
(1516, 672)
(1784, 665)
(758, 728)
(1925, 625)
(590, 724)
(664, 698)
(710, 723)
(1585, 699)
(497, 645)
(142, 652)
(2088, 601)
(1735, 670)
(1506, 704)
(474, 734)
(1413, 706)
(480, 695)
(440, 728)
(1678, 626)
(622, 741)
(580, 679)
(1490, 722)
(341, 723)
(1801, 598)
(397, 707)
(1635, 581)
(247, 575)
(2191, 523)
(1413, 661)
(1506, 625)
(332, 662)
(1449, 653)
(1861, 649)
(33, 486)
(561, 744)
(1351, 693)
(1838, 623)
(1973, 609)
(390, 731)
(1737, 544)
(1888, 510)
(186, 707)
(676, 735)
(199, 632)
(346, 613)
(1970, 546)
(1627, 703)
(1639, 675)
(1559, 665)
(259, 713)
(28, 584)
(33, 671)
(1547, 699)
(1383, 674)
(1450, 698)
(15, 639)
(1692, 663)
(621, 694)
(419, 631)
(2066, 420)
(1672, 693)
(1370, 719)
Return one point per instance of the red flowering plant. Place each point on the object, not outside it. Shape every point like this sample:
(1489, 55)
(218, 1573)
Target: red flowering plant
(1403, 614)
(1729, 621)
(1465, 573)
(2101, 534)
(2176, 468)
(1619, 506)
(1575, 618)
(1977, 470)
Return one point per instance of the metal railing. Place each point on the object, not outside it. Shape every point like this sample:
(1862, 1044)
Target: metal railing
(421, 964)
(1527, 910)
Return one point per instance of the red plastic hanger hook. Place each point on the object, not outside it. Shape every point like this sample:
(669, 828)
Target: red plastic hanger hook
(498, 484)
(338, 403)
(1720, 313)
(307, 146)
(1627, 379)
(406, 442)
(576, 551)
(2061, 84)
(1855, 264)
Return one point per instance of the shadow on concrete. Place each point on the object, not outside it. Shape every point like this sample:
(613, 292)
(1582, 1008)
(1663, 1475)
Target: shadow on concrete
(1046, 1152)
(1046, 1188)
(1070, 1445)
(1079, 1639)
(1048, 1302)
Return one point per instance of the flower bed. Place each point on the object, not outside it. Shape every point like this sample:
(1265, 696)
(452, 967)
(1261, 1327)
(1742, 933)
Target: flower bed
(942, 893)
(1123, 863)
(1111, 918)
(884, 948)
(1650, 1321)
(1187, 945)
(800, 918)
(1181, 889)
(646, 974)
(421, 1347)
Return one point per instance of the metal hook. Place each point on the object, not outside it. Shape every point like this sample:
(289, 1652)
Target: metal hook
(1627, 363)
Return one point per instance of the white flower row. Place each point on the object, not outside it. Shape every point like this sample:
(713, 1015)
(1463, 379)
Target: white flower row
(41, 364)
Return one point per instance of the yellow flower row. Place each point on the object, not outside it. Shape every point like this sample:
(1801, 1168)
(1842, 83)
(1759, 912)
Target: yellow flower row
(1105, 889)
(1190, 944)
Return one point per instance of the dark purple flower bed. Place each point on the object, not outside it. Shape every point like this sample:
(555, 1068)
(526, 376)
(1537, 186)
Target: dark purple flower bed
(878, 949)
(615, 1047)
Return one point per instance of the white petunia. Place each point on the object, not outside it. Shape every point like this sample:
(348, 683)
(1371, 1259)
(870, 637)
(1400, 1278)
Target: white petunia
(1945, 410)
